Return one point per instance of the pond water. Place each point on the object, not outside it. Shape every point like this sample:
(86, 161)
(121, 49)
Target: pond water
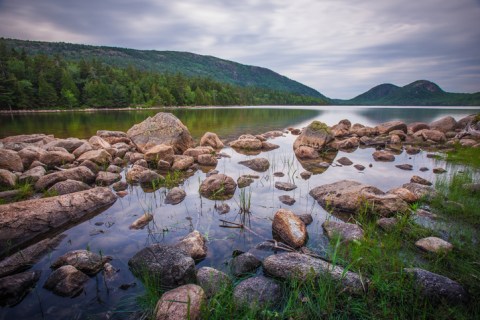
(109, 233)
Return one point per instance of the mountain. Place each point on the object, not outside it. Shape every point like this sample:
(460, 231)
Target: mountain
(417, 93)
(186, 63)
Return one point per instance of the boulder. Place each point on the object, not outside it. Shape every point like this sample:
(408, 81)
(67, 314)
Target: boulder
(387, 224)
(181, 162)
(105, 178)
(386, 127)
(39, 139)
(175, 196)
(163, 128)
(80, 173)
(432, 135)
(382, 155)
(218, 187)
(90, 165)
(32, 175)
(420, 180)
(163, 165)
(363, 131)
(437, 287)
(306, 152)
(285, 186)
(56, 158)
(25, 220)
(244, 264)
(404, 194)
(268, 146)
(99, 156)
(120, 186)
(7, 179)
(66, 281)
(113, 137)
(420, 190)
(207, 160)
(345, 231)
(211, 139)
(10, 160)
(341, 129)
(345, 144)
(98, 143)
(316, 135)
(351, 196)
(173, 266)
(294, 265)
(114, 169)
(197, 151)
(247, 142)
(258, 292)
(257, 164)
(88, 262)
(30, 154)
(150, 178)
(434, 244)
(444, 124)
(289, 228)
(286, 199)
(160, 152)
(141, 222)
(194, 244)
(15, 287)
(184, 302)
(212, 280)
(417, 126)
(68, 186)
(133, 174)
(69, 144)
(82, 149)
(134, 157)
(24, 259)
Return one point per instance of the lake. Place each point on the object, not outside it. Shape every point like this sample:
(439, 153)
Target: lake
(109, 232)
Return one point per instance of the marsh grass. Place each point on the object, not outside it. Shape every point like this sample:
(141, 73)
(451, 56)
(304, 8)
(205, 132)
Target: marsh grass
(464, 155)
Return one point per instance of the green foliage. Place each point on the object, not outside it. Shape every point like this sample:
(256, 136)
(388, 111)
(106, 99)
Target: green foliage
(117, 78)
(464, 155)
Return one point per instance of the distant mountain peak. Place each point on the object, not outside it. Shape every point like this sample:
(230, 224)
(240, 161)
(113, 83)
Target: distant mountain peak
(426, 85)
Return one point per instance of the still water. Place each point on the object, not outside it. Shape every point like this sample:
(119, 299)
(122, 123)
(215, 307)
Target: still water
(109, 232)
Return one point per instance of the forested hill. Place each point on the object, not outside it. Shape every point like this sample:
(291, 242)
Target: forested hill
(30, 80)
(186, 63)
(418, 93)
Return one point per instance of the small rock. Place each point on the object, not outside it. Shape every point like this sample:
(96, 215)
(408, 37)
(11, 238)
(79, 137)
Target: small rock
(404, 166)
(258, 164)
(122, 193)
(211, 139)
(278, 174)
(436, 287)
(412, 150)
(163, 165)
(105, 178)
(32, 175)
(160, 152)
(184, 302)
(344, 161)
(99, 156)
(243, 182)
(120, 186)
(181, 162)
(359, 167)
(404, 194)
(289, 228)
(66, 281)
(85, 261)
(306, 175)
(420, 180)
(141, 222)
(126, 286)
(383, 155)
(175, 196)
(212, 172)
(439, 170)
(423, 169)
(149, 177)
(212, 280)
(268, 146)
(345, 231)
(434, 244)
(286, 199)
(7, 179)
(244, 264)
(258, 292)
(207, 160)
(387, 224)
(218, 186)
(306, 218)
(194, 244)
(114, 169)
(286, 186)
(222, 208)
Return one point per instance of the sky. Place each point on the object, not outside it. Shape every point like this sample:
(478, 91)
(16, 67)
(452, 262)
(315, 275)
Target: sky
(341, 48)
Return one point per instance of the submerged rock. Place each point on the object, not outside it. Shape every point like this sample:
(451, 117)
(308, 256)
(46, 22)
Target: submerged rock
(15, 287)
(294, 265)
(286, 199)
(184, 302)
(141, 222)
(175, 196)
(85, 261)
(163, 128)
(285, 186)
(258, 292)
(217, 187)
(174, 266)
(66, 281)
(289, 228)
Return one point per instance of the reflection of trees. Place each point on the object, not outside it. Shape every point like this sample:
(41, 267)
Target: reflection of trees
(226, 122)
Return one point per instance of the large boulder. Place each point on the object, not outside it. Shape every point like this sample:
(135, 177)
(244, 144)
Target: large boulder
(86, 261)
(211, 139)
(173, 266)
(25, 220)
(258, 292)
(10, 160)
(184, 302)
(386, 127)
(289, 228)
(163, 128)
(316, 135)
(444, 124)
(306, 152)
(218, 187)
(80, 173)
(351, 196)
(15, 287)
(435, 287)
(300, 266)
(66, 281)
(257, 164)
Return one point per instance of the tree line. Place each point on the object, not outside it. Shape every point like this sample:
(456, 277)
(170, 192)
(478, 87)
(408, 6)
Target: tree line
(29, 82)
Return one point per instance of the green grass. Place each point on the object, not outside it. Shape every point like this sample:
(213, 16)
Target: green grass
(464, 155)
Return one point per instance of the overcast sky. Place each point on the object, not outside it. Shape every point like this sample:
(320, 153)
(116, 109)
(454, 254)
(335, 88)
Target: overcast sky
(339, 47)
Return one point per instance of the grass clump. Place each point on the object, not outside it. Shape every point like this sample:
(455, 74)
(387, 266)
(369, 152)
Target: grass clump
(464, 155)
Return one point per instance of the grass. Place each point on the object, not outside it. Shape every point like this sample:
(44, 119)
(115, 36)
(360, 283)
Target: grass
(244, 200)
(463, 155)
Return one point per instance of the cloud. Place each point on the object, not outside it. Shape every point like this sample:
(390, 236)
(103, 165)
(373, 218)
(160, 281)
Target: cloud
(341, 48)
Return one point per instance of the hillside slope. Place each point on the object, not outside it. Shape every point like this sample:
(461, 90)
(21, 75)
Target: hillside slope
(417, 93)
(186, 63)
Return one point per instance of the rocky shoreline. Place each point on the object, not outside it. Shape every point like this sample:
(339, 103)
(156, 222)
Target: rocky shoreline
(74, 179)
